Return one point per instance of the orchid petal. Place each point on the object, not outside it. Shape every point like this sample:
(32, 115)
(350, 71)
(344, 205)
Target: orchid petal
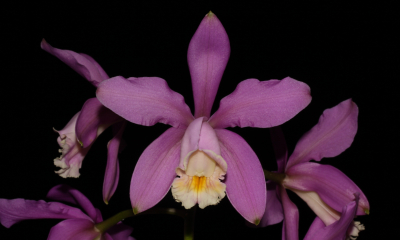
(200, 136)
(273, 210)
(280, 148)
(68, 194)
(120, 231)
(83, 64)
(245, 182)
(207, 57)
(15, 210)
(261, 104)
(159, 159)
(74, 229)
(93, 120)
(290, 228)
(144, 101)
(333, 134)
(111, 176)
(72, 154)
(337, 230)
(331, 185)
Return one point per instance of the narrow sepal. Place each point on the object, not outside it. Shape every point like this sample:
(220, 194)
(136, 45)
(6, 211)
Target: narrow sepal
(333, 134)
(207, 57)
(111, 175)
(155, 170)
(245, 182)
(83, 64)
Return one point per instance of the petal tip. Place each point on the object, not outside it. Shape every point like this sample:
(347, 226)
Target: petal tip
(256, 221)
(135, 210)
(366, 211)
(210, 14)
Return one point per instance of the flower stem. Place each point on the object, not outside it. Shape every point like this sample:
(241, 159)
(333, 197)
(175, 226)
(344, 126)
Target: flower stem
(105, 225)
(189, 224)
(276, 177)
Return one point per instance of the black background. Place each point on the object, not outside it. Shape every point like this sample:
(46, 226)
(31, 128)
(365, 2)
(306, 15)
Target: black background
(340, 51)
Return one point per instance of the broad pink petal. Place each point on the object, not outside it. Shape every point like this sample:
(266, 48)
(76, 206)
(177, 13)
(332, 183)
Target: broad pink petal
(93, 120)
(245, 182)
(333, 134)
(71, 229)
(261, 104)
(280, 148)
(111, 176)
(144, 101)
(155, 170)
(207, 57)
(120, 231)
(337, 230)
(68, 194)
(290, 228)
(273, 210)
(16, 210)
(83, 64)
(332, 186)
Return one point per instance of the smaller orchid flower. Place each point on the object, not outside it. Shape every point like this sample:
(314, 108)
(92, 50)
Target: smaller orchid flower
(197, 158)
(324, 188)
(78, 225)
(76, 138)
(344, 228)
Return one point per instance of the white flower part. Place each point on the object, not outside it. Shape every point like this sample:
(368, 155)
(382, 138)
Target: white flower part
(327, 214)
(71, 151)
(354, 230)
(200, 181)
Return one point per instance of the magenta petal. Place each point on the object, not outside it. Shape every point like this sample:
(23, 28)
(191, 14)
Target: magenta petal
(83, 64)
(68, 194)
(332, 186)
(337, 230)
(111, 176)
(290, 228)
(261, 104)
(120, 231)
(16, 210)
(273, 210)
(81, 229)
(280, 148)
(207, 57)
(144, 101)
(155, 170)
(93, 120)
(333, 134)
(245, 182)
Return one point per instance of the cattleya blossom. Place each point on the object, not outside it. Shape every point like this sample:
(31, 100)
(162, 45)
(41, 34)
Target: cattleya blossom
(324, 188)
(197, 148)
(81, 131)
(78, 225)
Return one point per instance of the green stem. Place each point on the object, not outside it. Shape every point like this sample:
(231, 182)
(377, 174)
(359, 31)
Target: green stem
(189, 224)
(105, 225)
(276, 177)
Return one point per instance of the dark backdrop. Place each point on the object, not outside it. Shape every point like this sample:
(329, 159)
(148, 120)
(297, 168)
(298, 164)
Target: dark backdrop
(340, 51)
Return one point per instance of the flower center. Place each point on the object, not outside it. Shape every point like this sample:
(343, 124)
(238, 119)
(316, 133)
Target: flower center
(200, 183)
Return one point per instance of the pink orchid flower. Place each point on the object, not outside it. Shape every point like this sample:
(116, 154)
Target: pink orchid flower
(78, 225)
(197, 148)
(81, 131)
(324, 188)
(344, 228)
